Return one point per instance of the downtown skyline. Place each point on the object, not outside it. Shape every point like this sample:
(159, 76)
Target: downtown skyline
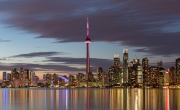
(49, 37)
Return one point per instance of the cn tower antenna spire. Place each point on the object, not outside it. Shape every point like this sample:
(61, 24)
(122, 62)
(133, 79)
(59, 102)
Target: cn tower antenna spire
(87, 35)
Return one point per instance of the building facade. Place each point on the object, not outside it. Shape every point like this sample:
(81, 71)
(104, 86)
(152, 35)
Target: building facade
(178, 71)
(125, 66)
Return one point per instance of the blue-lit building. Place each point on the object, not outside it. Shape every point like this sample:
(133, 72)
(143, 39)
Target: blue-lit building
(4, 75)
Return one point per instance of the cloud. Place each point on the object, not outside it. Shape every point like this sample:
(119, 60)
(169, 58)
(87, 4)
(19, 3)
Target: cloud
(68, 64)
(5, 40)
(4, 59)
(150, 25)
(37, 54)
(94, 62)
(39, 67)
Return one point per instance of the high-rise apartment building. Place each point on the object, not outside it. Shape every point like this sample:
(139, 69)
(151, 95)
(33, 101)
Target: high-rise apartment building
(125, 66)
(135, 73)
(159, 64)
(80, 77)
(44, 77)
(178, 71)
(145, 68)
(116, 60)
(4, 75)
(115, 72)
(9, 76)
(100, 73)
(172, 76)
(139, 75)
(71, 80)
(153, 76)
(115, 75)
(161, 77)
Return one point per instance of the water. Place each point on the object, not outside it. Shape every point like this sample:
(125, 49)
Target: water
(89, 99)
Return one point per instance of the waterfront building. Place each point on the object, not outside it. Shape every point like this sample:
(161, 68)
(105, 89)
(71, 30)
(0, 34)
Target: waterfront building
(32, 78)
(125, 66)
(27, 73)
(71, 80)
(115, 72)
(159, 64)
(132, 70)
(14, 74)
(23, 74)
(145, 68)
(115, 75)
(44, 77)
(135, 73)
(48, 79)
(80, 77)
(161, 76)
(138, 71)
(153, 76)
(4, 75)
(55, 79)
(105, 81)
(166, 78)
(172, 76)
(91, 75)
(100, 74)
(116, 60)
(9, 76)
(35, 80)
(139, 75)
(178, 71)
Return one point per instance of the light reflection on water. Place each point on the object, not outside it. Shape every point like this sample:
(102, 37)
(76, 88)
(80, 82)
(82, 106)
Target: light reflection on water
(89, 99)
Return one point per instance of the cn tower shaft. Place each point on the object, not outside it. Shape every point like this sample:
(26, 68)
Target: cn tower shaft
(87, 59)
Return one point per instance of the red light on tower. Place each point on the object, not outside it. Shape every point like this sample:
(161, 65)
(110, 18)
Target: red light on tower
(87, 40)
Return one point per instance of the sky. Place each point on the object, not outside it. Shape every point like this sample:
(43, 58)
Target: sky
(48, 37)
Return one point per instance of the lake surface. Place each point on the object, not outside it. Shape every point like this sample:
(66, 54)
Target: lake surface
(89, 99)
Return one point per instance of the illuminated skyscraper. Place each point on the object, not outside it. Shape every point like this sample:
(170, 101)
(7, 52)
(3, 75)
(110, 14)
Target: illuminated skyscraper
(125, 66)
(115, 72)
(71, 80)
(100, 73)
(178, 71)
(4, 76)
(172, 76)
(116, 60)
(87, 41)
(159, 64)
(80, 77)
(90, 75)
(145, 67)
(139, 75)
(9, 76)
(145, 63)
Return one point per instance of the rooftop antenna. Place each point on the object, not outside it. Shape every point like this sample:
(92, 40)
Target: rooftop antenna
(135, 55)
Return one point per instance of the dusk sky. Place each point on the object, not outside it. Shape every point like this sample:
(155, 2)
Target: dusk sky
(48, 37)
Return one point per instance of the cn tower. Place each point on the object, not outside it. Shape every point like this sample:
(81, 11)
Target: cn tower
(87, 41)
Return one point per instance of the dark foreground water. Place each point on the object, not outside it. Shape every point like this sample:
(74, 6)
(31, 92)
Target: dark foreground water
(89, 99)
